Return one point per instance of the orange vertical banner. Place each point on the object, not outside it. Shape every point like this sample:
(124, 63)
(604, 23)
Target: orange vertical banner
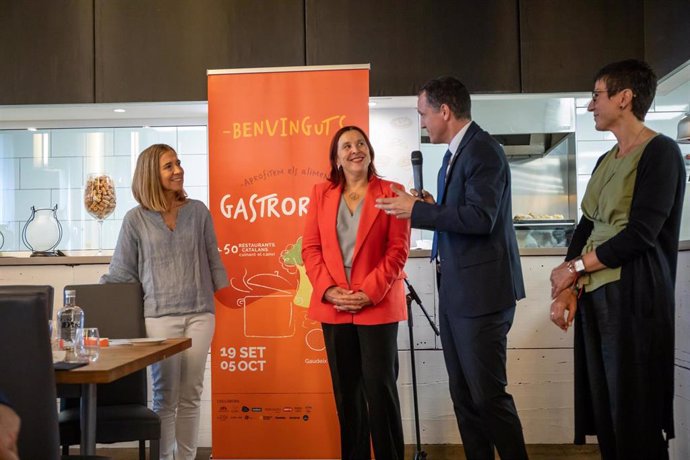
(269, 135)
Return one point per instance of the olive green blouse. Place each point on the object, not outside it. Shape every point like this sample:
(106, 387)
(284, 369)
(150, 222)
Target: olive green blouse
(607, 204)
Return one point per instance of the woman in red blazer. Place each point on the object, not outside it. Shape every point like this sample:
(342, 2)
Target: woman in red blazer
(354, 254)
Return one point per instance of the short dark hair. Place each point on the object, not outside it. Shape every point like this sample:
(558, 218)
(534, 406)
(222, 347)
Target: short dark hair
(336, 176)
(449, 91)
(634, 75)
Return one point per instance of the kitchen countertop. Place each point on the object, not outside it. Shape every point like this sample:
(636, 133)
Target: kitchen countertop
(9, 258)
(91, 257)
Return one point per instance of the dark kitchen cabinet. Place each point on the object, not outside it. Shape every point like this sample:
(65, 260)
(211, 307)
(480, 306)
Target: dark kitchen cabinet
(564, 43)
(407, 42)
(667, 34)
(47, 52)
(81, 51)
(159, 50)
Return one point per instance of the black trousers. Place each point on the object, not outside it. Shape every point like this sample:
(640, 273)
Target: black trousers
(364, 368)
(623, 405)
(475, 353)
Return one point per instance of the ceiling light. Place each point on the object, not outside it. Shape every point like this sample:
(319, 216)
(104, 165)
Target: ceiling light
(372, 104)
(31, 129)
(119, 110)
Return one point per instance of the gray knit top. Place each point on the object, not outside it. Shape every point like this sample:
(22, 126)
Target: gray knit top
(179, 269)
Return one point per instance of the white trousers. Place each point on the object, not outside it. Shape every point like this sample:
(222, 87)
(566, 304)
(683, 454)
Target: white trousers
(178, 382)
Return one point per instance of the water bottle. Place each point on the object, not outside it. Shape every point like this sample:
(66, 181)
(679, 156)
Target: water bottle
(70, 318)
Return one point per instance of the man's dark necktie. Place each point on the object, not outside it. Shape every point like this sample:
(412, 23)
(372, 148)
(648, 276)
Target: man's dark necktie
(441, 186)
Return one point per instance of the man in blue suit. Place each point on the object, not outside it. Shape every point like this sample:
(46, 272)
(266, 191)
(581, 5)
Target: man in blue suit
(478, 265)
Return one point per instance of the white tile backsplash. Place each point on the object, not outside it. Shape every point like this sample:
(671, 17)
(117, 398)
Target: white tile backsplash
(123, 140)
(667, 124)
(198, 193)
(192, 140)
(73, 235)
(55, 173)
(582, 181)
(131, 141)
(394, 135)
(120, 169)
(158, 135)
(9, 174)
(46, 167)
(195, 170)
(16, 144)
(24, 199)
(92, 142)
(588, 152)
(70, 203)
(585, 128)
(125, 202)
(7, 205)
(10, 233)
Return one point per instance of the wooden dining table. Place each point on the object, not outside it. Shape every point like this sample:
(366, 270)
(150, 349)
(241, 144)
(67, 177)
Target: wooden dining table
(113, 363)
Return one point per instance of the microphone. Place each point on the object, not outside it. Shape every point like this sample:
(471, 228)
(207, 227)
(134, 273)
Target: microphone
(416, 159)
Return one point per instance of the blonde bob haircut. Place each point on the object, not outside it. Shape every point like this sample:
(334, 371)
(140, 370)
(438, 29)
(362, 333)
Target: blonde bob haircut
(146, 183)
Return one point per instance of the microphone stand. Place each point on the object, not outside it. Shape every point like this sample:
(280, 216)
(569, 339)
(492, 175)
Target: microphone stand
(412, 296)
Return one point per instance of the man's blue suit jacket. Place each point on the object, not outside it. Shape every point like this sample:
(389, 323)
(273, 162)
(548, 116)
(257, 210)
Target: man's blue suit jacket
(480, 262)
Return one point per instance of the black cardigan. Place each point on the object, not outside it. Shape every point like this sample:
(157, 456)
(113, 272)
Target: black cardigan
(647, 252)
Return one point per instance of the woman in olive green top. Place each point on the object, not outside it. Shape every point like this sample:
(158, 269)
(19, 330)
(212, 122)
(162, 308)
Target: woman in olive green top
(618, 280)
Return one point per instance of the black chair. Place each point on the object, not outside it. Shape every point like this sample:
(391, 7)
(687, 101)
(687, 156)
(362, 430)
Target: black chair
(122, 414)
(24, 292)
(27, 377)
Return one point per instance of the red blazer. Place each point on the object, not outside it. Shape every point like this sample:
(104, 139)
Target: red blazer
(381, 250)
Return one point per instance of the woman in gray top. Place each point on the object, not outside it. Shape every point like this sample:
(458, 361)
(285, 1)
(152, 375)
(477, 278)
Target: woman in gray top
(168, 244)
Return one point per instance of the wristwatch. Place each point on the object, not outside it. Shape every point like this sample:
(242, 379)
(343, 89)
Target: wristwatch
(577, 265)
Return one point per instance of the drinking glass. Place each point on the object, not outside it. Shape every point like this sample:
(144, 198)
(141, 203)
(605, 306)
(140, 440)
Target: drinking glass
(88, 343)
(58, 351)
(99, 200)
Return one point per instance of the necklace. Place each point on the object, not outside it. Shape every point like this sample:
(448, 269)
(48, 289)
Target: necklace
(631, 145)
(354, 196)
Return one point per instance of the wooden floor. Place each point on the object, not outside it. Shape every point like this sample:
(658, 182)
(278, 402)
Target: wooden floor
(434, 452)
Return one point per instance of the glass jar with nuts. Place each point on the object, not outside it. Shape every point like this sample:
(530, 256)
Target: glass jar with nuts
(99, 200)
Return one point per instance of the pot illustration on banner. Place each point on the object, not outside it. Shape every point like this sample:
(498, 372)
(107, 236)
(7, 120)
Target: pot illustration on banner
(291, 259)
(267, 305)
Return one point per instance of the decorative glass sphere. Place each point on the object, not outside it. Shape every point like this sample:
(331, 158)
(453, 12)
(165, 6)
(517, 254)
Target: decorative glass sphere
(43, 231)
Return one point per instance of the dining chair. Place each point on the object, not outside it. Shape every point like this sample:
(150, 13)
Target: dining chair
(28, 377)
(122, 414)
(24, 291)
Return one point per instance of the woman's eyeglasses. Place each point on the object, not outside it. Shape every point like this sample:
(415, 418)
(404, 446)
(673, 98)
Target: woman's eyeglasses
(595, 93)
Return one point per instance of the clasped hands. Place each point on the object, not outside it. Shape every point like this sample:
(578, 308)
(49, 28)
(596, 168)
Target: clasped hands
(402, 203)
(346, 300)
(564, 298)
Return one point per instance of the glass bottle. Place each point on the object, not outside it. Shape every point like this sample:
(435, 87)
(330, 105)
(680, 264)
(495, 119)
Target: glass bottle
(70, 318)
